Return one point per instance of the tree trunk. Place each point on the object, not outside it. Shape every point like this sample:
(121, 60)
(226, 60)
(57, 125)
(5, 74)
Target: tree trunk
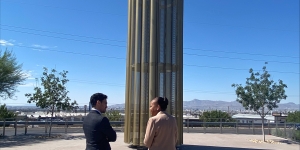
(263, 122)
(51, 120)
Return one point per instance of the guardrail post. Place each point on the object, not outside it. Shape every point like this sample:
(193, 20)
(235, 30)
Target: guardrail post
(285, 129)
(276, 127)
(15, 127)
(269, 127)
(4, 128)
(204, 126)
(294, 128)
(188, 124)
(26, 124)
(46, 121)
(253, 130)
(221, 125)
(66, 128)
(236, 127)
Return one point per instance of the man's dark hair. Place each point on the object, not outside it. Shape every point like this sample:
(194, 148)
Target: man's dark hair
(97, 96)
(162, 102)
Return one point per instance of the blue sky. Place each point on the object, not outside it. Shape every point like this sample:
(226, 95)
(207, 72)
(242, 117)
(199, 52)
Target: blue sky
(222, 41)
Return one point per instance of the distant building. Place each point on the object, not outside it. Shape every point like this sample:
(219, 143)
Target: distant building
(252, 118)
(279, 117)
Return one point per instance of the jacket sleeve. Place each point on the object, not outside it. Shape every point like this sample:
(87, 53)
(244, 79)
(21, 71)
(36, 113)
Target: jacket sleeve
(150, 133)
(108, 130)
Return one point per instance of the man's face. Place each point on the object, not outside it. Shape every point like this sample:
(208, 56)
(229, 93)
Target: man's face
(102, 106)
(154, 108)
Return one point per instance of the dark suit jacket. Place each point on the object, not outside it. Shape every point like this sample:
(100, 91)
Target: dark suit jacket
(98, 132)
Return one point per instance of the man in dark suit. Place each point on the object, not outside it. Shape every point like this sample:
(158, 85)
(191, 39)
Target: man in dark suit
(97, 129)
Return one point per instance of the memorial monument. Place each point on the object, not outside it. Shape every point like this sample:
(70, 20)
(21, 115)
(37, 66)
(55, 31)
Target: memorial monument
(154, 64)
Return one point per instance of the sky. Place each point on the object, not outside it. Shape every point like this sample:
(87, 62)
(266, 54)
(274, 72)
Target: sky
(222, 40)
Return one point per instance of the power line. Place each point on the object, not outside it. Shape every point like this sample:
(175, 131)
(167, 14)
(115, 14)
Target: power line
(183, 53)
(241, 58)
(68, 52)
(261, 28)
(74, 99)
(234, 68)
(98, 83)
(93, 55)
(75, 9)
(122, 85)
(257, 54)
(185, 90)
(62, 33)
(191, 65)
(64, 38)
(195, 49)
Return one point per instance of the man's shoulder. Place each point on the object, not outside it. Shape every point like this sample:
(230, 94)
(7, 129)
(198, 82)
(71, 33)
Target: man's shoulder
(93, 116)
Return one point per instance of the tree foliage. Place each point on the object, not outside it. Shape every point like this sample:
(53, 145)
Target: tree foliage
(260, 93)
(113, 115)
(5, 113)
(11, 74)
(54, 94)
(293, 117)
(215, 116)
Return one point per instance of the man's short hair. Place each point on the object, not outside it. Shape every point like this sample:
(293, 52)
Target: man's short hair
(97, 96)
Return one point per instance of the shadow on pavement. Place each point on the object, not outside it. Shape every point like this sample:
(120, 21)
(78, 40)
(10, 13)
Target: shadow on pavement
(287, 141)
(21, 140)
(199, 147)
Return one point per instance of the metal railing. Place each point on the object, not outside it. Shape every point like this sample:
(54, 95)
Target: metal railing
(285, 130)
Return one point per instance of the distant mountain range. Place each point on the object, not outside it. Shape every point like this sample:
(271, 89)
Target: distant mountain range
(220, 105)
(197, 104)
(233, 105)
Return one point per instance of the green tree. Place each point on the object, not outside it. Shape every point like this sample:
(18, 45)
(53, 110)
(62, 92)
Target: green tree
(11, 74)
(5, 113)
(293, 117)
(215, 116)
(54, 95)
(260, 93)
(113, 115)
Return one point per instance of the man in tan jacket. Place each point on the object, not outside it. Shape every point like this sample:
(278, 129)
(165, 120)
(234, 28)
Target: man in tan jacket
(161, 131)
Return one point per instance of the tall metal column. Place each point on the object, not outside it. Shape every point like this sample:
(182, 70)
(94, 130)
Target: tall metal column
(154, 63)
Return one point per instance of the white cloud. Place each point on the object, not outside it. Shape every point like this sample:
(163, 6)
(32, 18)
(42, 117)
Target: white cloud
(27, 74)
(40, 65)
(40, 46)
(32, 84)
(6, 43)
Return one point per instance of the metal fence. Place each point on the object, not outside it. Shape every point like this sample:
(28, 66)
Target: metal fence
(285, 130)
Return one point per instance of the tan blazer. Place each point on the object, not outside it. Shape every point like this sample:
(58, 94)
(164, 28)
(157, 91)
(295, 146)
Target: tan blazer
(161, 132)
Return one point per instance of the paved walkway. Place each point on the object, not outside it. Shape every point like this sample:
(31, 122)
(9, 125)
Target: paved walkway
(192, 141)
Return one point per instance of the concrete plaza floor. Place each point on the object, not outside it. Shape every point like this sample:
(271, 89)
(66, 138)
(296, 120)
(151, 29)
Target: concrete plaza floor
(192, 141)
